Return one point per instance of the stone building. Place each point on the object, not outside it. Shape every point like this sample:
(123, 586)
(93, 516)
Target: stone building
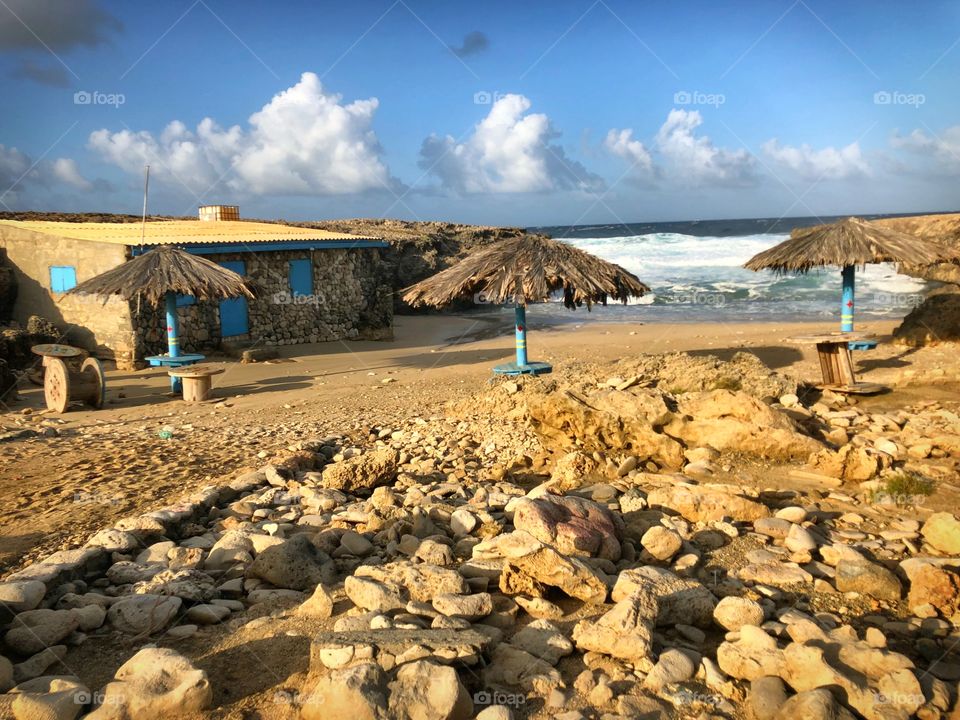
(310, 285)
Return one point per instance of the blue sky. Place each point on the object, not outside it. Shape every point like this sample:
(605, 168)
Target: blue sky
(496, 113)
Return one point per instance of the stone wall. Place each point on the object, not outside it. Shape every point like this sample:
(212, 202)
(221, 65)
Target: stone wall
(352, 299)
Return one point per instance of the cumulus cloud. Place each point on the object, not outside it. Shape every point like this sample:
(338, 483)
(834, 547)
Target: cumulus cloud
(473, 43)
(810, 164)
(942, 149)
(65, 170)
(622, 144)
(508, 151)
(305, 141)
(695, 160)
(60, 25)
(13, 165)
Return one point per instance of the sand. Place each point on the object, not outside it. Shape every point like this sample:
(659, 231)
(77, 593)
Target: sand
(111, 463)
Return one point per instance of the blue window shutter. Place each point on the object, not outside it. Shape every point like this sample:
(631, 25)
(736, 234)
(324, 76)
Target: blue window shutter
(62, 278)
(301, 277)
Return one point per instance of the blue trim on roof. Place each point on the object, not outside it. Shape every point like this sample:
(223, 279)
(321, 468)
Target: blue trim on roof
(266, 246)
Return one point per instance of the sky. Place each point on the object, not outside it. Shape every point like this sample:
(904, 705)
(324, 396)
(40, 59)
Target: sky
(497, 113)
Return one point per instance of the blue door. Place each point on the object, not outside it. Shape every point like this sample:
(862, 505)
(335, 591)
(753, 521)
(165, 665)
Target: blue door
(233, 312)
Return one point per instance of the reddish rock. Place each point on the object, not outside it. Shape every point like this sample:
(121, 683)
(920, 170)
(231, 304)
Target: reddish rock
(575, 526)
(936, 587)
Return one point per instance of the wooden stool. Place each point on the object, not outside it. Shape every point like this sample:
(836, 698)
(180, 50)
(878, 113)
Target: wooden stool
(836, 365)
(197, 380)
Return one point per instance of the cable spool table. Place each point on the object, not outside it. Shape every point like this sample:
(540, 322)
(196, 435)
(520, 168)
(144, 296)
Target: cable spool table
(836, 365)
(197, 380)
(63, 385)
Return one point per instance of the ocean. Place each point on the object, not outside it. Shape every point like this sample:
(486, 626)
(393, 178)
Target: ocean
(696, 272)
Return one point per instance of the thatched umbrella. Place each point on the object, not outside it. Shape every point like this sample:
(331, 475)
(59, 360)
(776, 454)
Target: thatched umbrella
(847, 244)
(164, 272)
(528, 269)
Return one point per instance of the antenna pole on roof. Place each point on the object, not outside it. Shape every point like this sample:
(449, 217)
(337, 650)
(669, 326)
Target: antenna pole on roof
(146, 189)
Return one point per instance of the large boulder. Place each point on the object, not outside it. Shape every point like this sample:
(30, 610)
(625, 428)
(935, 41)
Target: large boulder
(706, 503)
(737, 422)
(624, 632)
(934, 589)
(354, 693)
(295, 564)
(143, 614)
(941, 531)
(34, 630)
(423, 690)
(679, 600)
(155, 684)
(363, 473)
(574, 525)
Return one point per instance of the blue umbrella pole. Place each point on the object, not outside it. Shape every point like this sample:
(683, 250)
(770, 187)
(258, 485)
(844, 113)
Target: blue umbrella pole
(522, 364)
(173, 333)
(846, 303)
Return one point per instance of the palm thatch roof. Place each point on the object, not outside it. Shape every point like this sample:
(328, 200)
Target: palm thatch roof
(849, 242)
(166, 269)
(527, 269)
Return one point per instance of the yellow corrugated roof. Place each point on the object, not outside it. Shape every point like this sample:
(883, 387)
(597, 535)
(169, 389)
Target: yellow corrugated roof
(163, 232)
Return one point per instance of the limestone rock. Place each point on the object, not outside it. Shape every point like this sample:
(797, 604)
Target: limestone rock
(372, 595)
(155, 684)
(942, 532)
(679, 600)
(738, 422)
(187, 584)
(700, 503)
(574, 525)
(752, 656)
(19, 596)
(625, 631)
(362, 473)
(662, 543)
(673, 666)
(49, 698)
(544, 640)
(319, 606)
(295, 564)
(936, 587)
(867, 578)
(421, 581)
(813, 705)
(468, 607)
(732, 613)
(34, 630)
(143, 614)
(423, 690)
(512, 667)
(546, 566)
(767, 696)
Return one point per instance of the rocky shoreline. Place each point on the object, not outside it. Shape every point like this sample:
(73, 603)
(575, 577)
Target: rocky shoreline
(573, 546)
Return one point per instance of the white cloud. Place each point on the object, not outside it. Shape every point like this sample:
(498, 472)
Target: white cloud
(303, 142)
(943, 149)
(65, 170)
(622, 144)
(508, 152)
(695, 160)
(827, 163)
(13, 165)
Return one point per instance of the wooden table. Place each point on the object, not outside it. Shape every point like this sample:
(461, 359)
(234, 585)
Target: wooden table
(836, 364)
(197, 380)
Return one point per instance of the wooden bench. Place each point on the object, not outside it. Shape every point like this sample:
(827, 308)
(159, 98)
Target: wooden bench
(836, 365)
(197, 380)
